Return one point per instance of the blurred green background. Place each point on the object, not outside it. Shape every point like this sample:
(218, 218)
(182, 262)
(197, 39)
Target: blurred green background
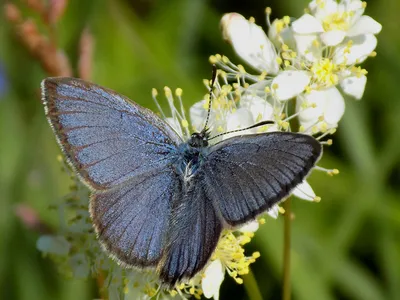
(346, 247)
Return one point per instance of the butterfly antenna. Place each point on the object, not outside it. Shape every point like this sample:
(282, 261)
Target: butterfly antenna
(242, 129)
(213, 78)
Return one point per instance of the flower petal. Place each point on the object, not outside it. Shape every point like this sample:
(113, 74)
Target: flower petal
(174, 123)
(250, 227)
(284, 36)
(304, 191)
(198, 114)
(362, 47)
(213, 277)
(329, 104)
(259, 107)
(241, 118)
(308, 116)
(250, 42)
(321, 9)
(290, 84)
(307, 48)
(334, 106)
(356, 7)
(365, 25)
(307, 24)
(274, 211)
(354, 86)
(333, 37)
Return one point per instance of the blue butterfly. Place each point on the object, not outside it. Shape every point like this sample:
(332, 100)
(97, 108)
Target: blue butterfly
(158, 201)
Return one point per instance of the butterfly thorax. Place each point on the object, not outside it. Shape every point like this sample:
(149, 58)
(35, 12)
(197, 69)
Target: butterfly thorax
(192, 154)
(199, 139)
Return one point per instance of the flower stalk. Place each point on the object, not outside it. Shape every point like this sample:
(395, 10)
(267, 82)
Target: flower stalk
(251, 286)
(286, 289)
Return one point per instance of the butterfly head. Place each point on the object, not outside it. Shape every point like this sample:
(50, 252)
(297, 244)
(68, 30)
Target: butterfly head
(199, 139)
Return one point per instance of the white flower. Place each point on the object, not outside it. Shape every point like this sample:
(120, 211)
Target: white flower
(326, 101)
(334, 21)
(320, 110)
(250, 42)
(304, 63)
(341, 25)
(213, 276)
(350, 36)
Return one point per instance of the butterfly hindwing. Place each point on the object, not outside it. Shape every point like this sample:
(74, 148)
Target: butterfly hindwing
(193, 235)
(106, 138)
(132, 219)
(249, 174)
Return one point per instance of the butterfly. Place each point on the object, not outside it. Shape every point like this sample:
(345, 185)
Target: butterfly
(158, 201)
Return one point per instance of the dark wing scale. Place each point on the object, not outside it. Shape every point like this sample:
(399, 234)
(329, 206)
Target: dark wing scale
(194, 232)
(251, 173)
(132, 219)
(106, 137)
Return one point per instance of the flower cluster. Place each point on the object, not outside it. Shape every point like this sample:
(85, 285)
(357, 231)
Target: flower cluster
(306, 59)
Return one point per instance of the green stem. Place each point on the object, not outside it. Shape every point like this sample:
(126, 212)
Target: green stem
(250, 284)
(286, 294)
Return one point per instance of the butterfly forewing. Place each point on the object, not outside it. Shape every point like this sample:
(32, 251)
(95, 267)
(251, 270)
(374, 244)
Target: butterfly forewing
(106, 138)
(249, 174)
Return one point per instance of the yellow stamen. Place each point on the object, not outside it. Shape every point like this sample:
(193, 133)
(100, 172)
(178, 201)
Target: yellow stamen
(317, 199)
(324, 73)
(336, 21)
(286, 20)
(178, 92)
(213, 59)
(185, 123)
(167, 91)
